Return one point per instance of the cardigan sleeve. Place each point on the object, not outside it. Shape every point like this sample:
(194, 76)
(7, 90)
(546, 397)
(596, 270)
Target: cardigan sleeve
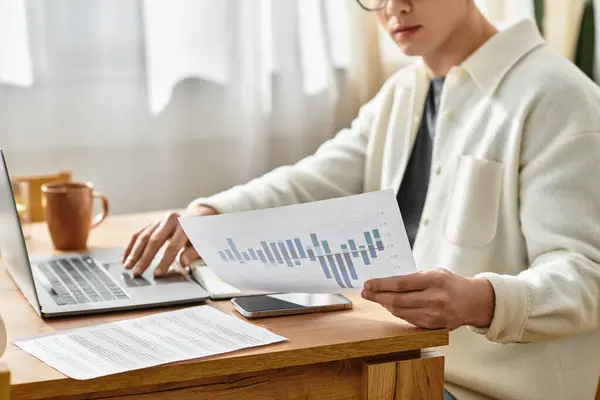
(559, 294)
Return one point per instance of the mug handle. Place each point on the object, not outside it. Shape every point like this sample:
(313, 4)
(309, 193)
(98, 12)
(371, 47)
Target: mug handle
(101, 216)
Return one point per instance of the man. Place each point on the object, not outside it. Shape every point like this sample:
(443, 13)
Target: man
(493, 144)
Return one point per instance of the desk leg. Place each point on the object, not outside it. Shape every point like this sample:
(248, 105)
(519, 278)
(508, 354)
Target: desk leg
(4, 382)
(411, 379)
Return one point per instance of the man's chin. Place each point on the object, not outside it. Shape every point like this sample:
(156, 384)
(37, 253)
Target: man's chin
(411, 51)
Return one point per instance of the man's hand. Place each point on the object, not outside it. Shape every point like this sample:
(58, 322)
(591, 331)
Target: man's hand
(146, 242)
(435, 299)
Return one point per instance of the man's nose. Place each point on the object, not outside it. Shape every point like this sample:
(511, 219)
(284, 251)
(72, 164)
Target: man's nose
(396, 7)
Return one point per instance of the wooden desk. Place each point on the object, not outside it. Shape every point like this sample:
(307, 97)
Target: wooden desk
(4, 382)
(361, 353)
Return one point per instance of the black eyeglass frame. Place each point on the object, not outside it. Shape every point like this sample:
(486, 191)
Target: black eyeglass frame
(383, 4)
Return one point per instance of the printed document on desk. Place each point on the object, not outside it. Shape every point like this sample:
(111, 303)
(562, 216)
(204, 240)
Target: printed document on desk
(162, 338)
(330, 246)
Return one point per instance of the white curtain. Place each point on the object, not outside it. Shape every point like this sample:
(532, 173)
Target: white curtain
(158, 103)
(15, 59)
(597, 40)
(562, 26)
(177, 46)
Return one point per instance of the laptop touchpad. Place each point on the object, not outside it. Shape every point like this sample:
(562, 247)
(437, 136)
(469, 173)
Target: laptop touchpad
(130, 281)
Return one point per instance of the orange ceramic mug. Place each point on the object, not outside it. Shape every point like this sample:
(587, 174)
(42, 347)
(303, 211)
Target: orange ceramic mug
(68, 208)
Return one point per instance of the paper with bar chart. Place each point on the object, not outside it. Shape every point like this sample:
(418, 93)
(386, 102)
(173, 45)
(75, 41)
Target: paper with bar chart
(328, 246)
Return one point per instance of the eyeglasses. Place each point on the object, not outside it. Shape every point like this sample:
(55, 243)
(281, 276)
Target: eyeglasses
(372, 5)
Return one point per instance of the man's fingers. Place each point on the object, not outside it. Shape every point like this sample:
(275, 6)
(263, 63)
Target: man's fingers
(160, 236)
(188, 255)
(417, 299)
(139, 244)
(132, 241)
(175, 244)
(398, 283)
(407, 283)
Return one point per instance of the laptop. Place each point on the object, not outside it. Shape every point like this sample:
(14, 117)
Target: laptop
(82, 282)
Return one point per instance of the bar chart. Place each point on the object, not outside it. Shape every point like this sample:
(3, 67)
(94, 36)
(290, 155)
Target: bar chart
(337, 264)
(329, 246)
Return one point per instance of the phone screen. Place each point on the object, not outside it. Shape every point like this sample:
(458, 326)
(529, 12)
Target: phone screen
(286, 301)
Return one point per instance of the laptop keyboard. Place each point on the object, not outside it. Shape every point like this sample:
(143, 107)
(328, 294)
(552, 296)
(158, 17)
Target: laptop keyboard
(78, 280)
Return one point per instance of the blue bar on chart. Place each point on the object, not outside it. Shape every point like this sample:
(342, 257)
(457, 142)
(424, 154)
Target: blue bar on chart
(253, 254)
(340, 261)
(344, 248)
(311, 254)
(340, 264)
(378, 241)
(276, 252)
(291, 248)
(350, 266)
(349, 262)
(323, 263)
(286, 257)
(370, 244)
(334, 270)
(234, 249)
(314, 239)
(331, 260)
(352, 244)
(318, 251)
(300, 248)
(262, 257)
(267, 252)
(364, 255)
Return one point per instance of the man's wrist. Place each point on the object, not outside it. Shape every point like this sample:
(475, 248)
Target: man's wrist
(482, 304)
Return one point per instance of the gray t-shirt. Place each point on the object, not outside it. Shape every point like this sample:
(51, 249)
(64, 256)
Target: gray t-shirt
(413, 189)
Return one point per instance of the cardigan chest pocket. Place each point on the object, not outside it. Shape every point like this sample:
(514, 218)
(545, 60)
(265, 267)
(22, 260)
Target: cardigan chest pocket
(472, 213)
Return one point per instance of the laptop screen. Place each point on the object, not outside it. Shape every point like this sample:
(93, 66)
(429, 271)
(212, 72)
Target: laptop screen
(13, 252)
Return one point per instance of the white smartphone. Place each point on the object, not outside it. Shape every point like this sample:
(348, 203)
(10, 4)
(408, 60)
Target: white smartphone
(271, 305)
